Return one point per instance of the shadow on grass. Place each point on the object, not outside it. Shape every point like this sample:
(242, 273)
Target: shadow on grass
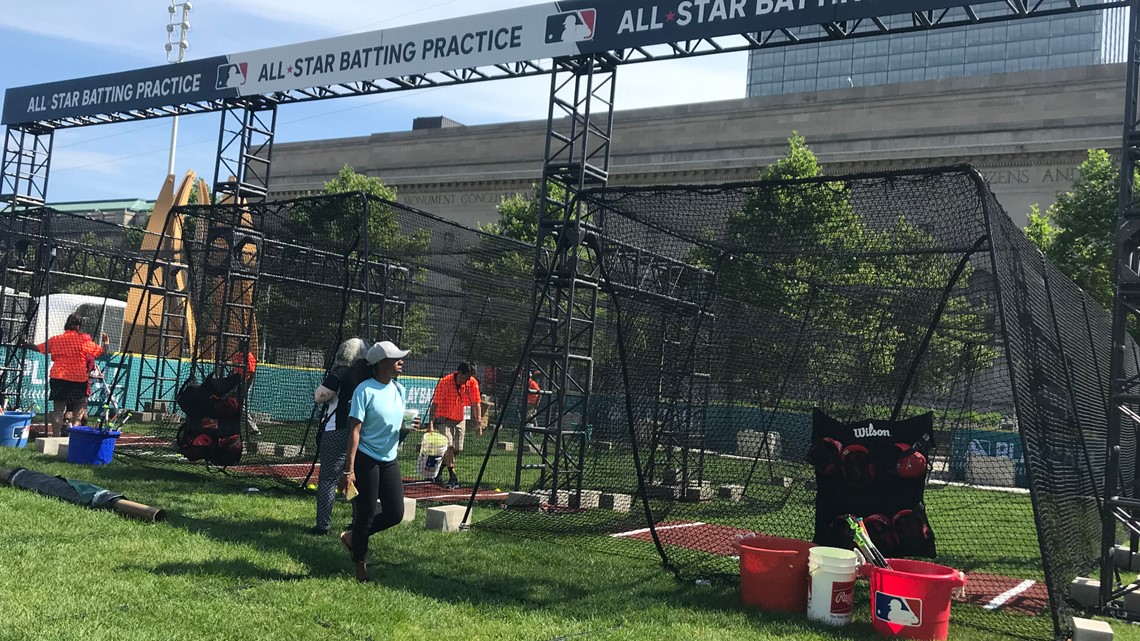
(234, 568)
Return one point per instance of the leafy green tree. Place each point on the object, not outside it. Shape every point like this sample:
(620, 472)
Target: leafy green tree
(97, 265)
(1076, 232)
(498, 283)
(802, 257)
(294, 315)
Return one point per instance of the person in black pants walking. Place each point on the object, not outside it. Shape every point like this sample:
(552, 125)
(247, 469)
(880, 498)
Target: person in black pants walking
(375, 417)
(336, 390)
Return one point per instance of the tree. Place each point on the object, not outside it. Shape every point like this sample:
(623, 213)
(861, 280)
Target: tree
(803, 260)
(98, 257)
(498, 283)
(1076, 233)
(291, 313)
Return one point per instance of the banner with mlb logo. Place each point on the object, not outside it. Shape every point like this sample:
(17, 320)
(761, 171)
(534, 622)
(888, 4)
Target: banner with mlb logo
(532, 33)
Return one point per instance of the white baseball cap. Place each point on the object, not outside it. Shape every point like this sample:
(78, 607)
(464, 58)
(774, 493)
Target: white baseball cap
(384, 349)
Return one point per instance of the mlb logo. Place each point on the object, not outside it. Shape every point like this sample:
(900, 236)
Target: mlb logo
(231, 75)
(897, 610)
(572, 26)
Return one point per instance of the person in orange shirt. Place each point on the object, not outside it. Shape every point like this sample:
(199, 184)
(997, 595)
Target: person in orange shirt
(532, 389)
(456, 400)
(530, 410)
(245, 363)
(68, 377)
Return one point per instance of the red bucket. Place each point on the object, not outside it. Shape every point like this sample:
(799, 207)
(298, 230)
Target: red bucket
(774, 573)
(912, 599)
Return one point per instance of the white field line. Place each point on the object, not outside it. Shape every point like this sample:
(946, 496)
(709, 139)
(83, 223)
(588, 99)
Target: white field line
(1001, 599)
(659, 528)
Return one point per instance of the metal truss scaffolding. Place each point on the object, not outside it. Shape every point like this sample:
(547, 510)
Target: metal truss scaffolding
(245, 147)
(681, 294)
(163, 330)
(25, 165)
(578, 135)
(21, 280)
(1121, 504)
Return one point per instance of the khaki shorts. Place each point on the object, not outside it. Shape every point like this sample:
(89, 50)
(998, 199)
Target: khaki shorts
(453, 430)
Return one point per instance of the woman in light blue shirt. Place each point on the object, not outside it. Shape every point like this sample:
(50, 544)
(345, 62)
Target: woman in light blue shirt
(375, 416)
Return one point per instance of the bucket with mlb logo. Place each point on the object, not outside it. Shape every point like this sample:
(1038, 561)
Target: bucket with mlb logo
(911, 599)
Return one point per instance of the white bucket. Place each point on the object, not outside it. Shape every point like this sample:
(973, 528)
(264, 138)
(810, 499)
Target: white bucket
(432, 448)
(831, 585)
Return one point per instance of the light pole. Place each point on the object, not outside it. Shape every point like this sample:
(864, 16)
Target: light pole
(176, 46)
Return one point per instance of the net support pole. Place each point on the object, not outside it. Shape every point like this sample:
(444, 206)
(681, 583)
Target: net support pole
(565, 295)
(1121, 505)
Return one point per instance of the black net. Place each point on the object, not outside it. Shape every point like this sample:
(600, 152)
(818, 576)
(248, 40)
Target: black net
(730, 312)
(726, 315)
(261, 296)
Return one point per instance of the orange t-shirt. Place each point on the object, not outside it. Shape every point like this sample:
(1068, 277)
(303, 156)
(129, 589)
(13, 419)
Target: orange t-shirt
(69, 352)
(451, 398)
(246, 369)
(533, 388)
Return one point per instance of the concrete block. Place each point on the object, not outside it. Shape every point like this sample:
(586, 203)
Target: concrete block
(702, 492)
(615, 502)
(146, 417)
(522, 499)
(287, 451)
(1126, 559)
(753, 444)
(266, 449)
(170, 417)
(445, 518)
(730, 492)
(587, 500)
(61, 451)
(506, 446)
(994, 471)
(1085, 591)
(409, 510)
(49, 445)
(1091, 630)
(157, 407)
(656, 491)
(1132, 604)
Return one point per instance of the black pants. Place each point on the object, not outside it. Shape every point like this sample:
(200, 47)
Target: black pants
(375, 480)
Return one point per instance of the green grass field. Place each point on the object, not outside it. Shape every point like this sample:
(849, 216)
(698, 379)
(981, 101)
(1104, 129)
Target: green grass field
(233, 564)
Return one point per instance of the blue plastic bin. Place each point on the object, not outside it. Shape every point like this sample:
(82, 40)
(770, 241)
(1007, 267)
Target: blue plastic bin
(14, 429)
(90, 446)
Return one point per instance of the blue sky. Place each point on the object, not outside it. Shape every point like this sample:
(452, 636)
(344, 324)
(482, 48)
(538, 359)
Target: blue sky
(49, 40)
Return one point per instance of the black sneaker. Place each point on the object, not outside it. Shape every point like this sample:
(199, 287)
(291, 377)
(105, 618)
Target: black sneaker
(316, 531)
(453, 484)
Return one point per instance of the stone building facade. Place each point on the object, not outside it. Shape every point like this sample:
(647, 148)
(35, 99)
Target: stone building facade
(1026, 132)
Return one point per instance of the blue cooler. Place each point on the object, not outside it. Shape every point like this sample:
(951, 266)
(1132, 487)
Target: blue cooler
(14, 427)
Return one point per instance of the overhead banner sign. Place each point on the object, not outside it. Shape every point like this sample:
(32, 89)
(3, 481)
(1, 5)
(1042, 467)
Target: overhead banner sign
(536, 32)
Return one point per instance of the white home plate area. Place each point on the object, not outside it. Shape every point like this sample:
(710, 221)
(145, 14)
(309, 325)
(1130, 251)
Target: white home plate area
(990, 591)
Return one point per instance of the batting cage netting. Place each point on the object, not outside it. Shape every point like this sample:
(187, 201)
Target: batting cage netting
(772, 356)
(250, 302)
(766, 357)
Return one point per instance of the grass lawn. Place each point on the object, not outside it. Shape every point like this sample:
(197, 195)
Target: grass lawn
(233, 564)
